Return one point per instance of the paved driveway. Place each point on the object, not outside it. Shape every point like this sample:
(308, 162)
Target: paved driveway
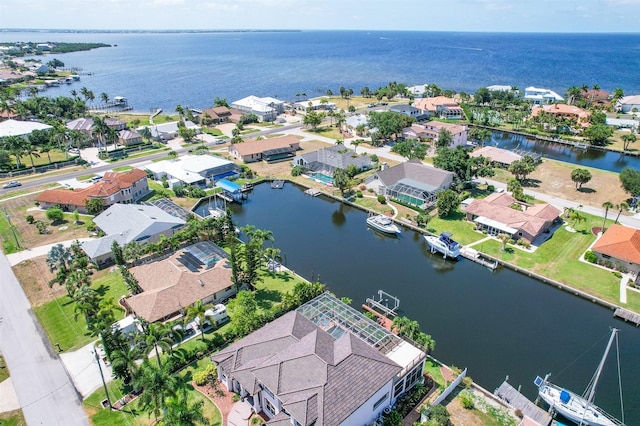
(44, 390)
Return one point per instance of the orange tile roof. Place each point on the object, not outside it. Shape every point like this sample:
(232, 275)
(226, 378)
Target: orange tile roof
(110, 184)
(620, 242)
(431, 104)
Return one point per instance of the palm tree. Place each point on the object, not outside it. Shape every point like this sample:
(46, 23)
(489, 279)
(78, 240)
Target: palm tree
(157, 384)
(132, 251)
(622, 206)
(198, 310)
(273, 256)
(99, 131)
(59, 257)
(104, 97)
(399, 323)
(504, 238)
(178, 411)
(124, 363)
(87, 302)
(16, 146)
(576, 217)
(155, 337)
(607, 205)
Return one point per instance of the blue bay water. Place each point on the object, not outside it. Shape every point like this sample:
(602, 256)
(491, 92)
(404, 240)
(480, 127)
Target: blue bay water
(163, 70)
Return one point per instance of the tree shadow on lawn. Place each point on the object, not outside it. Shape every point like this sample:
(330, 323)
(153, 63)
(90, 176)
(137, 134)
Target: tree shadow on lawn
(586, 190)
(59, 222)
(284, 276)
(102, 290)
(531, 183)
(267, 298)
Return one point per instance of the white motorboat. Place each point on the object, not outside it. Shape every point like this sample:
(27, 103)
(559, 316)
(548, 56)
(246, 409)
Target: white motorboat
(578, 408)
(216, 212)
(444, 244)
(383, 223)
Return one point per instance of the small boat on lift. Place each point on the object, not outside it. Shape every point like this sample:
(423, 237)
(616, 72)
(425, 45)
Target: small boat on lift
(383, 223)
(444, 244)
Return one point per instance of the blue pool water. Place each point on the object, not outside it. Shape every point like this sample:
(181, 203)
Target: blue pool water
(327, 180)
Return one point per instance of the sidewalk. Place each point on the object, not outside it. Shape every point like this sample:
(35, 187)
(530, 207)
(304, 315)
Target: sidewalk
(30, 253)
(8, 397)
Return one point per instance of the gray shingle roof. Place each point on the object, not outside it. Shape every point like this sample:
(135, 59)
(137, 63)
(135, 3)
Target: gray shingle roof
(317, 378)
(337, 157)
(430, 177)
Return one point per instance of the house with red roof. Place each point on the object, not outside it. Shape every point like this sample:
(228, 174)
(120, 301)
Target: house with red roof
(569, 112)
(127, 187)
(500, 213)
(441, 107)
(620, 246)
(269, 150)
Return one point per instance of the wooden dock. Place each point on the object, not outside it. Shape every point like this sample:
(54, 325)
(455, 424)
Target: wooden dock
(475, 256)
(629, 316)
(313, 192)
(515, 399)
(385, 322)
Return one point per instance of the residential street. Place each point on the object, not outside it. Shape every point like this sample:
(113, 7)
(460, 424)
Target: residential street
(44, 390)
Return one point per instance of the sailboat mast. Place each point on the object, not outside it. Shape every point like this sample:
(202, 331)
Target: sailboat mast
(592, 392)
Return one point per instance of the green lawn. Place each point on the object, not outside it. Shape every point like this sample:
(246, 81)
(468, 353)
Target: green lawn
(462, 230)
(4, 370)
(8, 237)
(122, 168)
(12, 418)
(432, 368)
(60, 321)
(86, 177)
(558, 257)
(43, 159)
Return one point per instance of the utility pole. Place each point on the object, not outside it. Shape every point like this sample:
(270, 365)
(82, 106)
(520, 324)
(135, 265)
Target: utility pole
(104, 384)
(13, 231)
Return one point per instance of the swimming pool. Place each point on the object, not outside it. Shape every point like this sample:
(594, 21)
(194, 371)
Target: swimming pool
(327, 180)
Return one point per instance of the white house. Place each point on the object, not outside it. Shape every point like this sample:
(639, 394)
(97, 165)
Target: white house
(541, 96)
(20, 128)
(166, 131)
(193, 169)
(314, 104)
(267, 108)
(629, 104)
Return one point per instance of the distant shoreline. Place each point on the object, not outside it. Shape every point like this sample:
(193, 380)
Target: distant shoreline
(66, 31)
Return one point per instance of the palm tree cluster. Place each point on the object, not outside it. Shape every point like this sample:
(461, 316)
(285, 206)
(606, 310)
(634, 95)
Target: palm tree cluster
(411, 329)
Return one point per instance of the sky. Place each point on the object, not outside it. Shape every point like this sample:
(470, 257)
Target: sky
(416, 15)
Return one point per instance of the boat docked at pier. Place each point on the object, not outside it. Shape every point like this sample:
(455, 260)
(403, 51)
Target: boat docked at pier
(443, 244)
(579, 408)
(383, 223)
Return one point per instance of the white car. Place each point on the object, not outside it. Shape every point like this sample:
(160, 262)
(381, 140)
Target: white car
(74, 151)
(11, 184)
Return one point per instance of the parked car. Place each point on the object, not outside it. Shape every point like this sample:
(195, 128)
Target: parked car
(74, 151)
(371, 105)
(11, 184)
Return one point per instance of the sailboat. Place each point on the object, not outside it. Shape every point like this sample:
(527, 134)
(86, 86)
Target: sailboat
(579, 408)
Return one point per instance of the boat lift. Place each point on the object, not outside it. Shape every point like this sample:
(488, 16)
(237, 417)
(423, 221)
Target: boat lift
(382, 303)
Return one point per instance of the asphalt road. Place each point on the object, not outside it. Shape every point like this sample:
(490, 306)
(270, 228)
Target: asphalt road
(45, 391)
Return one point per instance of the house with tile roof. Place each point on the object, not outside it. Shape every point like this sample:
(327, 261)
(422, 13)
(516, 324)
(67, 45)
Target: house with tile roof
(327, 160)
(128, 137)
(125, 187)
(498, 156)
(411, 182)
(500, 213)
(219, 115)
(270, 150)
(620, 245)
(629, 104)
(166, 131)
(124, 223)
(440, 107)
(193, 169)
(431, 130)
(199, 272)
(569, 112)
(324, 364)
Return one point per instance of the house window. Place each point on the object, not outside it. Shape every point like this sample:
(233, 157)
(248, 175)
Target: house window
(269, 407)
(398, 388)
(606, 256)
(380, 401)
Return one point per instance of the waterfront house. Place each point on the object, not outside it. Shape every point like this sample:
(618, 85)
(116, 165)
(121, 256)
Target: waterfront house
(219, 115)
(539, 96)
(20, 128)
(167, 131)
(124, 223)
(499, 157)
(200, 272)
(411, 182)
(193, 169)
(619, 247)
(266, 109)
(357, 124)
(430, 131)
(327, 160)
(324, 364)
(129, 137)
(440, 107)
(270, 150)
(125, 187)
(569, 112)
(314, 104)
(629, 104)
(410, 111)
(596, 97)
(500, 213)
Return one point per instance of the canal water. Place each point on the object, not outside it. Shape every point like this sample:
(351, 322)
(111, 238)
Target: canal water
(589, 157)
(495, 323)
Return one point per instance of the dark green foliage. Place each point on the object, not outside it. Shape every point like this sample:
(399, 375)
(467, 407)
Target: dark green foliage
(590, 257)
(438, 413)
(382, 199)
(447, 203)
(117, 253)
(29, 218)
(410, 148)
(94, 206)
(296, 171)
(55, 214)
(630, 180)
